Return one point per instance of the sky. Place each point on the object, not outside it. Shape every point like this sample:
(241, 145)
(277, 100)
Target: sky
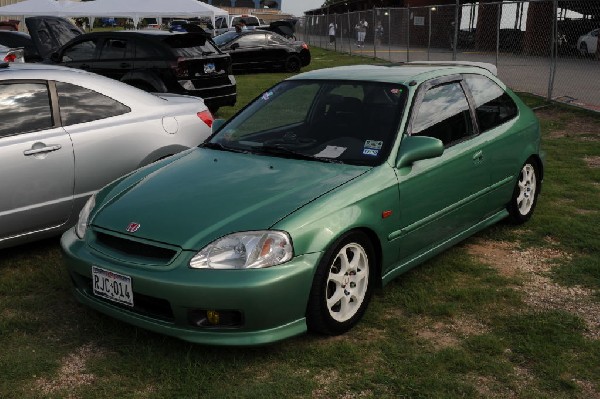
(297, 7)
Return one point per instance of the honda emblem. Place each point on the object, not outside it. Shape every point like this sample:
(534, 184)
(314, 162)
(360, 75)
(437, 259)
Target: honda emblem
(133, 227)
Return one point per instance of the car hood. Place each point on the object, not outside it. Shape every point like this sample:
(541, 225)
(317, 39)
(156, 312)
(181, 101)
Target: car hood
(49, 34)
(208, 193)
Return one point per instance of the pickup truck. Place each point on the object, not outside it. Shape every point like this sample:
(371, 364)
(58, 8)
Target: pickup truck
(224, 23)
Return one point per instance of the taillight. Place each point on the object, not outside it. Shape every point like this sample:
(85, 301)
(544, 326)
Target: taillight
(10, 58)
(179, 67)
(305, 46)
(206, 117)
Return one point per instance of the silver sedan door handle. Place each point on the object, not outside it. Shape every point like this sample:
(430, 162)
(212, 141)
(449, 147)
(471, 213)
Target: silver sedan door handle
(42, 150)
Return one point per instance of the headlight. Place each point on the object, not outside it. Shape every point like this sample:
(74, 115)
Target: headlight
(84, 215)
(247, 250)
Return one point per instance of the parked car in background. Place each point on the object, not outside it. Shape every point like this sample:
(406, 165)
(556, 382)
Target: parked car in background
(263, 50)
(224, 23)
(23, 40)
(11, 54)
(10, 25)
(152, 60)
(66, 132)
(587, 44)
(327, 185)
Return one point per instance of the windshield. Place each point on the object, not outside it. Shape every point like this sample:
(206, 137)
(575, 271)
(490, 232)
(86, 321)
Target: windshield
(332, 121)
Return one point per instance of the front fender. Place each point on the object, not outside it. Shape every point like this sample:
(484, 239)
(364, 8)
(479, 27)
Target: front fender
(357, 205)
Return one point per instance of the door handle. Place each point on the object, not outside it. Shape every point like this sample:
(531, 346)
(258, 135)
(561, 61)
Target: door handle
(478, 157)
(42, 150)
(125, 65)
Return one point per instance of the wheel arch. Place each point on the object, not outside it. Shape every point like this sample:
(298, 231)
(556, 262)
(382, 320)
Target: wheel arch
(148, 78)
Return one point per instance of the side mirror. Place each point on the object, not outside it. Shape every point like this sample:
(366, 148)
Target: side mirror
(416, 148)
(217, 123)
(55, 57)
(234, 46)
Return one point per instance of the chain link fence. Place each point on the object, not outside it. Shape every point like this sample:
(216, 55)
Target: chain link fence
(545, 47)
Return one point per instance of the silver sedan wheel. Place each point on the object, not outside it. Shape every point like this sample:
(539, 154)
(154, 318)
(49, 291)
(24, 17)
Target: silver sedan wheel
(347, 282)
(527, 189)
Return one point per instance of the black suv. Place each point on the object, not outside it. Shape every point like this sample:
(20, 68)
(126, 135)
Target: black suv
(152, 60)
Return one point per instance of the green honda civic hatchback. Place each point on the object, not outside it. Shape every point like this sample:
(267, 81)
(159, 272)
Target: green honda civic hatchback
(325, 187)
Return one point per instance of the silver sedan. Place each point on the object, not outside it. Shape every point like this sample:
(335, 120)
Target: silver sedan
(66, 133)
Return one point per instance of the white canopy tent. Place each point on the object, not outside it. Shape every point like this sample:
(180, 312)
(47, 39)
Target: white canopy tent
(134, 9)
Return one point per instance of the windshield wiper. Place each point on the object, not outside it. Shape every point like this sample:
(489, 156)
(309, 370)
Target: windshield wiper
(279, 150)
(207, 52)
(219, 146)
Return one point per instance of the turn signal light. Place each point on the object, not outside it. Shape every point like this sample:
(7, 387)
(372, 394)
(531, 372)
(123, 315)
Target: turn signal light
(206, 117)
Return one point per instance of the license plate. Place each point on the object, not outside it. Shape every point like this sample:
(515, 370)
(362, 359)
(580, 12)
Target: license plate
(112, 286)
(209, 68)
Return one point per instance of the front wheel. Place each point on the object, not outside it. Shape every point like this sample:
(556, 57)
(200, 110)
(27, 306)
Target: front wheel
(342, 286)
(525, 194)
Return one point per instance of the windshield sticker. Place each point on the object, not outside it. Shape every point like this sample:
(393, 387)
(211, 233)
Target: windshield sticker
(396, 91)
(370, 152)
(374, 144)
(267, 95)
(331, 151)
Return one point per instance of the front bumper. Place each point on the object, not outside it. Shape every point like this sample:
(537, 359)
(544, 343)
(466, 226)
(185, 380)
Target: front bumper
(272, 301)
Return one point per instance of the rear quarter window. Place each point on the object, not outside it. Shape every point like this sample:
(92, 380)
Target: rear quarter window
(493, 105)
(79, 104)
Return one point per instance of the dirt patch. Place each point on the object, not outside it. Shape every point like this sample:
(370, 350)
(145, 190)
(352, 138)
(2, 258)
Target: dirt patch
(581, 127)
(592, 162)
(72, 373)
(324, 380)
(533, 266)
(449, 333)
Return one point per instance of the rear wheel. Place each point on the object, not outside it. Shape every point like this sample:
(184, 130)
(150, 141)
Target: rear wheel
(584, 48)
(342, 286)
(525, 194)
(292, 63)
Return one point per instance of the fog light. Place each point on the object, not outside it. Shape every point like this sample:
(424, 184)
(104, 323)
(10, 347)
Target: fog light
(213, 317)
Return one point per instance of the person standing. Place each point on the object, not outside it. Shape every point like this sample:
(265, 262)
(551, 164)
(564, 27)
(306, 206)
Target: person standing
(378, 33)
(361, 32)
(332, 28)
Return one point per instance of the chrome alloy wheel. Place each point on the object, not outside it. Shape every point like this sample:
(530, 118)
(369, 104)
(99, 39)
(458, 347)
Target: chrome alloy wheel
(527, 189)
(347, 282)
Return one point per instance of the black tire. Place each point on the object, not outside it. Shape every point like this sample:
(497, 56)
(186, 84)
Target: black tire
(292, 63)
(525, 194)
(584, 49)
(354, 286)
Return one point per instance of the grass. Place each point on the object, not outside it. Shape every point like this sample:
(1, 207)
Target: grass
(453, 327)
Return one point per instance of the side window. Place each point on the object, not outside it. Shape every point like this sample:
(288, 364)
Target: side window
(492, 104)
(24, 107)
(444, 114)
(114, 49)
(252, 40)
(80, 52)
(79, 105)
(142, 50)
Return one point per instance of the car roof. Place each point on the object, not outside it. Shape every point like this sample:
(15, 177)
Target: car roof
(101, 84)
(398, 73)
